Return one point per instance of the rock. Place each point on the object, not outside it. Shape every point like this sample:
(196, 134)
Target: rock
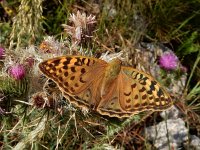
(175, 134)
(195, 142)
(171, 113)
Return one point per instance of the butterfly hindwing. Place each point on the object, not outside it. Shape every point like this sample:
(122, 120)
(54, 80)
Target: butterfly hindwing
(110, 104)
(89, 97)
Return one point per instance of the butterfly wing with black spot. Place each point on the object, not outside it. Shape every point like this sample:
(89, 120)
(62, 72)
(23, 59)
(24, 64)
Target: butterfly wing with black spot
(143, 91)
(76, 76)
(134, 92)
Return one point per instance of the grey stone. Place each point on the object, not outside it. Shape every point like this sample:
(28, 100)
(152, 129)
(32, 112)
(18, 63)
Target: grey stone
(173, 136)
(195, 142)
(171, 113)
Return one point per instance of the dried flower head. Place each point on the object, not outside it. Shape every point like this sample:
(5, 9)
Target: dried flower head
(30, 61)
(17, 71)
(50, 45)
(46, 47)
(183, 69)
(2, 52)
(40, 100)
(82, 28)
(169, 61)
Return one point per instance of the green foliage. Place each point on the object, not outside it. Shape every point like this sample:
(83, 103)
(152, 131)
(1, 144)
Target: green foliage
(5, 30)
(55, 15)
(193, 96)
(189, 45)
(170, 19)
(195, 92)
(13, 88)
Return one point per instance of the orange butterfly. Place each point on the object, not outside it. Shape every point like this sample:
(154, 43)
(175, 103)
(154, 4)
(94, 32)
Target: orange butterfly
(109, 88)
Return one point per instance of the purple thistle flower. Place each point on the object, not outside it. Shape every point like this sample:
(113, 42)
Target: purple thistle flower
(2, 52)
(169, 61)
(17, 71)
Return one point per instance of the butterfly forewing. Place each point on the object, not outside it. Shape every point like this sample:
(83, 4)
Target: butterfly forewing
(75, 76)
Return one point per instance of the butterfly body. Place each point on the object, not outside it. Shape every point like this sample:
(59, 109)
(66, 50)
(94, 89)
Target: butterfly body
(110, 88)
(111, 73)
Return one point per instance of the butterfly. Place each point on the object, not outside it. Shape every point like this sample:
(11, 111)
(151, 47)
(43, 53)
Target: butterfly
(108, 88)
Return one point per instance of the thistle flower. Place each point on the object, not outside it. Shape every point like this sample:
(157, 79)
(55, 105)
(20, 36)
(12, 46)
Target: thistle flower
(50, 45)
(169, 61)
(183, 69)
(30, 61)
(46, 47)
(40, 100)
(2, 52)
(17, 71)
(82, 27)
